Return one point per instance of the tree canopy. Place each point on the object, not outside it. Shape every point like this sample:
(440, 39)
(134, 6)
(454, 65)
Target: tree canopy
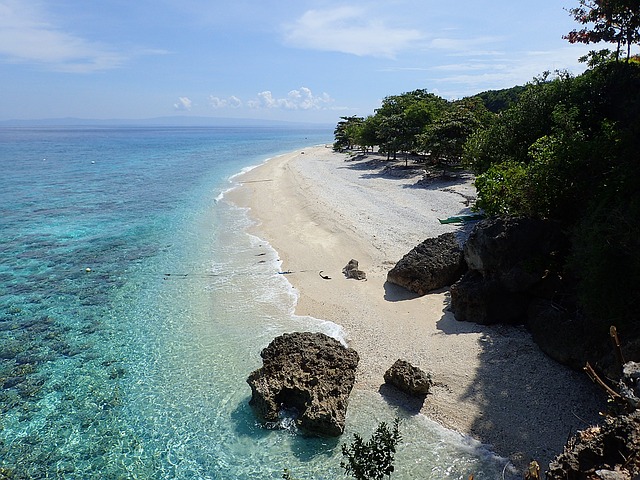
(611, 21)
(568, 150)
(415, 122)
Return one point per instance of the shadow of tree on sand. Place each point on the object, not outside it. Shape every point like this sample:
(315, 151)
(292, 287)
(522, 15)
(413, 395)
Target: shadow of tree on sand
(380, 167)
(529, 404)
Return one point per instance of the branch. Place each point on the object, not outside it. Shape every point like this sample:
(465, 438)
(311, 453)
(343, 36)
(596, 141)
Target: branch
(598, 381)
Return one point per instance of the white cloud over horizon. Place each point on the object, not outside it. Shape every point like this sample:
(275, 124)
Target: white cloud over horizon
(231, 102)
(183, 104)
(298, 99)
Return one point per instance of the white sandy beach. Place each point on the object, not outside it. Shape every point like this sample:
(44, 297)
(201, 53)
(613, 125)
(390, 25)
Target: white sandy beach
(319, 209)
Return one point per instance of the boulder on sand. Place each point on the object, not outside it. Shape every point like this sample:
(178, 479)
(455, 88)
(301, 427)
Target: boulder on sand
(435, 263)
(310, 374)
(351, 270)
(408, 379)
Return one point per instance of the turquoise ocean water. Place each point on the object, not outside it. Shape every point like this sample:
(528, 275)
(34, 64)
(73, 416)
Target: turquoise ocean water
(133, 305)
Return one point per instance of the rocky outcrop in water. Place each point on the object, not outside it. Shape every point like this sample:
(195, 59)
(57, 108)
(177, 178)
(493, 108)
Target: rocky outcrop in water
(408, 379)
(433, 264)
(310, 374)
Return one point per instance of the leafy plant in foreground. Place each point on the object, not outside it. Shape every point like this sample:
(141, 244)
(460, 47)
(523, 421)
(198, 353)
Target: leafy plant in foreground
(372, 460)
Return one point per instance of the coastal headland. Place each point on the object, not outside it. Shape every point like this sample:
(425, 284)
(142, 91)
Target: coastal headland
(319, 209)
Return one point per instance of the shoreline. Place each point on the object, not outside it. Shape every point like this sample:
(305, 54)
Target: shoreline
(318, 209)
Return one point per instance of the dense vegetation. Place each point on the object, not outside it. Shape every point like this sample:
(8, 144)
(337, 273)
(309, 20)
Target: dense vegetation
(570, 150)
(565, 148)
(418, 123)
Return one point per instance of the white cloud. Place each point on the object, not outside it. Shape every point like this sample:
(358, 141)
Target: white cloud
(349, 30)
(467, 45)
(231, 102)
(515, 69)
(184, 104)
(302, 99)
(27, 36)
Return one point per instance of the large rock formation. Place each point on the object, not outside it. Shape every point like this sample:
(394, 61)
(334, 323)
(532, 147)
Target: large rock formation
(310, 373)
(435, 263)
(408, 379)
(511, 261)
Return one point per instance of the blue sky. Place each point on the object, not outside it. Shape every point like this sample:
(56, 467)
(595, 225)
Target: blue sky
(301, 60)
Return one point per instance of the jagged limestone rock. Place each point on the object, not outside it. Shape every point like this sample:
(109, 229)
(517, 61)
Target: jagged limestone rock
(310, 373)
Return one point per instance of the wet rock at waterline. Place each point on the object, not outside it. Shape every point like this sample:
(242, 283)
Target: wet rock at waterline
(309, 373)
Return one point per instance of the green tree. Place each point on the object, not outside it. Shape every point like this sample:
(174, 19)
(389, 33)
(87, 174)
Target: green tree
(367, 133)
(445, 138)
(373, 459)
(401, 118)
(345, 133)
(498, 100)
(568, 150)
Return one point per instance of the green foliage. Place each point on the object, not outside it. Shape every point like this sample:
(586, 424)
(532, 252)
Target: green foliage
(446, 136)
(597, 57)
(572, 136)
(569, 151)
(401, 118)
(606, 245)
(372, 460)
(500, 188)
(346, 132)
(498, 100)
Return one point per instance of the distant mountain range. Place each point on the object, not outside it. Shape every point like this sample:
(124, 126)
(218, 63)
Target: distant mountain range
(174, 121)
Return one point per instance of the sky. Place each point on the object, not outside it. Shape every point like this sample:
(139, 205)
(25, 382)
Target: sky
(301, 61)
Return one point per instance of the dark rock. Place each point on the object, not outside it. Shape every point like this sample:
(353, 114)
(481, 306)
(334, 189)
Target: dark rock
(351, 271)
(433, 264)
(597, 452)
(511, 262)
(310, 373)
(409, 379)
(475, 299)
(516, 252)
(629, 385)
(558, 333)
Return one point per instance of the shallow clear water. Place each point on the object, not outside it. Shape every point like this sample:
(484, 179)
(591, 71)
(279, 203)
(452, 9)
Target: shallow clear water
(133, 305)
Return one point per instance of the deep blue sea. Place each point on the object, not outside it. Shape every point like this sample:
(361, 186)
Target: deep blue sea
(134, 304)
